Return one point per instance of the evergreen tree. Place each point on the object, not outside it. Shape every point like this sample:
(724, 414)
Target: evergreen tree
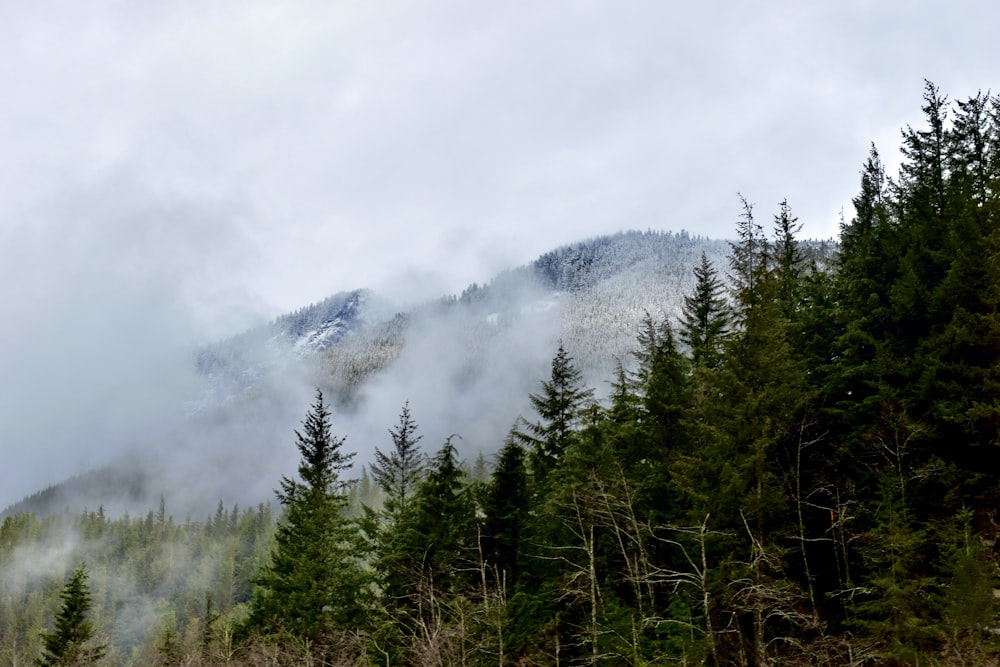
(314, 584)
(862, 354)
(745, 429)
(661, 382)
(749, 263)
(428, 563)
(72, 631)
(705, 316)
(396, 561)
(506, 508)
(662, 385)
(559, 406)
(398, 472)
(913, 389)
(444, 518)
(788, 260)
(958, 385)
(923, 173)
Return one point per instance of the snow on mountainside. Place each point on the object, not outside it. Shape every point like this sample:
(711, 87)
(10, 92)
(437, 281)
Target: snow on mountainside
(319, 326)
(465, 363)
(234, 365)
(592, 294)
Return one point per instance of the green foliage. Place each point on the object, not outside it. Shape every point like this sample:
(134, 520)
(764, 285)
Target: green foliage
(969, 607)
(443, 525)
(705, 318)
(398, 472)
(559, 407)
(314, 584)
(143, 577)
(73, 630)
(506, 506)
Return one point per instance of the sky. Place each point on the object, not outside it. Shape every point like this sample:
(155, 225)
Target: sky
(173, 172)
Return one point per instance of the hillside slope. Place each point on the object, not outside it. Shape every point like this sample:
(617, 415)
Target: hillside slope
(465, 363)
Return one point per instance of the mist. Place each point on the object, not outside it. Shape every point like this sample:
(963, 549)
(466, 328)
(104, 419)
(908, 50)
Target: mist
(465, 370)
(106, 295)
(174, 175)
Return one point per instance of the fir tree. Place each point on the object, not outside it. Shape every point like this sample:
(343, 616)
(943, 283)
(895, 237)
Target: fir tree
(398, 472)
(749, 262)
(443, 517)
(661, 383)
(788, 259)
(559, 406)
(506, 508)
(425, 565)
(705, 316)
(744, 424)
(314, 584)
(72, 631)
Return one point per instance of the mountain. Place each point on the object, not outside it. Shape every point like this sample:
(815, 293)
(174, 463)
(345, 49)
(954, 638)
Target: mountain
(465, 363)
(236, 364)
(592, 294)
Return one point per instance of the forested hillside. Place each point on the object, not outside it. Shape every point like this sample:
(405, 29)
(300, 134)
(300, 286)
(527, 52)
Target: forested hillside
(487, 345)
(798, 468)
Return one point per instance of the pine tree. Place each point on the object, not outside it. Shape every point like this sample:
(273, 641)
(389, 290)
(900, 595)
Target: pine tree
(67, 643)
(398, 472)
(744, 427)
(662, 384)
(862, 353)
(923, 172)
(430, 564)
(749, 263)
(314, 584)
(396, 563)
(959, 385)
(788, 259)
(912, 388)
(506, 508)
(559, 406)
(705, 316)
(443, 516)
(661, 381)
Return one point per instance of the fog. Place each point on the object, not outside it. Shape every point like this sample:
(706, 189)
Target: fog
(465, 371)
(106, 297)
(467, 368)
(174, 174)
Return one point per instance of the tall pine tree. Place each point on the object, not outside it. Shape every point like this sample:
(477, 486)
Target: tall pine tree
(705, 316)
(72, 631)
(559, 406)
(398, 472)
(314, 585)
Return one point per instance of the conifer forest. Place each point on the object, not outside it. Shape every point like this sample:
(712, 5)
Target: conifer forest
(803, 468)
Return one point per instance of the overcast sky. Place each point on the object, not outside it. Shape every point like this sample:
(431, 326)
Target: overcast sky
(175, 171)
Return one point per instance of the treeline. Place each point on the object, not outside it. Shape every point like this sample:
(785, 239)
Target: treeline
(803, 469)
(158, 585)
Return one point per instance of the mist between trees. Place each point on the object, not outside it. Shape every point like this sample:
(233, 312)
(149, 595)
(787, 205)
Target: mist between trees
(800, 467)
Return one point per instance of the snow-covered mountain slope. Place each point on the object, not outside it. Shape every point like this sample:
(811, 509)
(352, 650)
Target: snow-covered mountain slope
(236, 364)
(466, 364)
(591, 295)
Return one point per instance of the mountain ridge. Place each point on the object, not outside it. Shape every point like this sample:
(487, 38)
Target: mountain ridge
(467, 362)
